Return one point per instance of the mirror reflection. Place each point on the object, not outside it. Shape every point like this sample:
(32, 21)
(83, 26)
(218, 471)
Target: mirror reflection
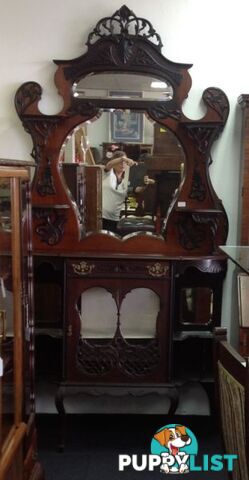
(132, 168)
(115, 85)
(5, 210)
(6, 341)
(196, 305)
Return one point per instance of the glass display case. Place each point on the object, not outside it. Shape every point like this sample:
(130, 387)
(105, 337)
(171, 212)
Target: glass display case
(17, 428)
(239, 255)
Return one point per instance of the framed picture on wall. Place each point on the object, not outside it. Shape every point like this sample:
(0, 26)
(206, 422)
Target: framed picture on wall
(126, 126)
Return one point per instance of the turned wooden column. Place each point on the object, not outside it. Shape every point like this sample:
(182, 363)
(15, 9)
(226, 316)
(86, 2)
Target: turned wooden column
(243, 101)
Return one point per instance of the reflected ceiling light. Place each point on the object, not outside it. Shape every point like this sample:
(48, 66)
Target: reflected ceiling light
(157, 84)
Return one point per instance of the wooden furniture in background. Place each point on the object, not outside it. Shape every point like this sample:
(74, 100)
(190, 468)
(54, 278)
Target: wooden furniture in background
(17, 420)
(243, 302)
(93, 203)
(240, 256)
(244, 229)
(167, 151)
(85, 185)
(232, 380)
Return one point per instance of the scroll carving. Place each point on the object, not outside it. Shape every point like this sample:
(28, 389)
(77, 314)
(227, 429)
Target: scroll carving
(216, 99)
(128, 44)
(28, 94)
(50, 229)
(194, 227)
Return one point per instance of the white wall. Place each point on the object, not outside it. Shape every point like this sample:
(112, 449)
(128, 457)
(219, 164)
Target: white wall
(212, 35)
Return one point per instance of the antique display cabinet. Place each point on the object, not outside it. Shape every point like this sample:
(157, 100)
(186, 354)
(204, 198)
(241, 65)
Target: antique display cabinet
(17, 422)
(127, 309)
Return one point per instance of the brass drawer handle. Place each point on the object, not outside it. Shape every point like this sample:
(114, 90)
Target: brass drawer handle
(157, 269)
(83, 268)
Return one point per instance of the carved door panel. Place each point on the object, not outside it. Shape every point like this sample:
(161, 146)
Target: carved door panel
(117, 329)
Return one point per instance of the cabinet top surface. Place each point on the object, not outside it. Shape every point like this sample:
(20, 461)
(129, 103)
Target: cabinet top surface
(16, 163)
(238, 254)
(129, 256)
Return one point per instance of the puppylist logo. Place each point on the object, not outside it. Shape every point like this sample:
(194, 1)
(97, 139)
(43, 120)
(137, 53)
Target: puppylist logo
(174, 449)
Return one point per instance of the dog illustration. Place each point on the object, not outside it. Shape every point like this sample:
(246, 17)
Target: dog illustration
(174, 438)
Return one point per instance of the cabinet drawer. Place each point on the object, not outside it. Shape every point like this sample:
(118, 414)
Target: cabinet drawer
(123, 268)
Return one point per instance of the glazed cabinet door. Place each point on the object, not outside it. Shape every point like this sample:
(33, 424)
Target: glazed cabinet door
(15, 390)
(117, 321)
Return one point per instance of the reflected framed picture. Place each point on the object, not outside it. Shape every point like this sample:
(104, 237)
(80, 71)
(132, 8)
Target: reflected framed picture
(243, 299)
(126, 126)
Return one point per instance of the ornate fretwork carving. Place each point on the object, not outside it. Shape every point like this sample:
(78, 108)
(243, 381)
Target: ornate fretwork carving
(124, 23)
(131, 359)
(83, 268)
(28, 93)
(93, 359)
(50, 229)
(137, 360)
(216, 99)
(198, 189)
(45, 185)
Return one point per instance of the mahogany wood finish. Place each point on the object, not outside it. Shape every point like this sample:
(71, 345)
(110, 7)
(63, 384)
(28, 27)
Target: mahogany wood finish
(198, 227)
(244, 232)
(186, 244)
(120, 359)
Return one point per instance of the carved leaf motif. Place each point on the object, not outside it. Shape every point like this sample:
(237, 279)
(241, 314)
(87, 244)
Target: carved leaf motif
(27, 94)
(163, 111)
(126, 51)
(191, 235)
(50, 230)
(84, 108)
(216, 99)
(204, 135)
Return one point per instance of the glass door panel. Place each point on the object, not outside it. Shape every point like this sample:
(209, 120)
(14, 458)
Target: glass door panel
(6, 311)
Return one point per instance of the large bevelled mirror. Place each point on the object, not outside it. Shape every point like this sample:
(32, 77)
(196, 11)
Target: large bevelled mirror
(153, 179)
(120, 86)
(122, 94)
